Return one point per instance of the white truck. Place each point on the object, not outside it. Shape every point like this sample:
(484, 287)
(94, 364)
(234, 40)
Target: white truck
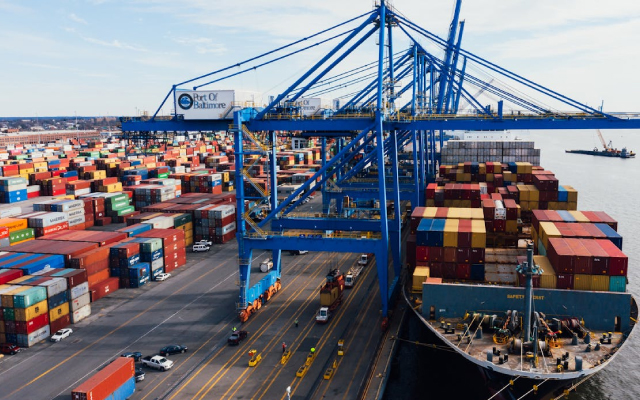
(352, 275)
(266, 265)
(323, 316)
(157, 362)
(365, 259)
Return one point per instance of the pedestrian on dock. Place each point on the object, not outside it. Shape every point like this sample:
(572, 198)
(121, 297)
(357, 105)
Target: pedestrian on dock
(313, 350)
(234, 329)
(296, 322)
(284, 346)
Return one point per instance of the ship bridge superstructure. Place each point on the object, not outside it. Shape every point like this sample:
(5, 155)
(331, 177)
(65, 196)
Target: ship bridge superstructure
(380, 134)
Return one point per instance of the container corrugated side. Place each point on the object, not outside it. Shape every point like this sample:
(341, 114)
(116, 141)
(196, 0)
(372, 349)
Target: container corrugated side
(106, 381)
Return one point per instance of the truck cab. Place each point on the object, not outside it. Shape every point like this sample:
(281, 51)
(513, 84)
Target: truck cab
(349, 280)
(323, 315)
(365, 258)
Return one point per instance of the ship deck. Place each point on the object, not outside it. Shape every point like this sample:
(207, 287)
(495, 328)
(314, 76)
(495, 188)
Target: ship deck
(479, 347)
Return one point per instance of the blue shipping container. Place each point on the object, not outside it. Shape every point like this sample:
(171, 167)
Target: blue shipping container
(566, 216)
(58, 299)
(125, 391)
(611, 234)
(618, 284)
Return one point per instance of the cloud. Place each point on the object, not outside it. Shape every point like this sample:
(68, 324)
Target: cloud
(77, 19)
(202, 45)
(115, 43)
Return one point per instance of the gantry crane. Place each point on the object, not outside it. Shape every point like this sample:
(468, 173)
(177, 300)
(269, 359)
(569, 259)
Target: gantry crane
(370, 124)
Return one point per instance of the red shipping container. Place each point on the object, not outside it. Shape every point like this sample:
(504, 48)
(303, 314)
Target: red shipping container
(435, 270)
(599, 257)
(463, 271)
(9, 275)
(51, 229)
(463, 255)
(464, 233)
(33, 325)
(422, 253)
(618, 261)
(75, 277)
(476, 256)
(104, 382)
(449, 270)
(104, 288)
(449, 254)
(61, 322)
(98, 277)
(4, 232)
(564, 281)
(435, 254)
(561, 256)
(97, 266)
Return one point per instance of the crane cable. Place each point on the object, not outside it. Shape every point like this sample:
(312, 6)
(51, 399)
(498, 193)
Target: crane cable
(499, 391)
(534, 388)
(575, 386)
(429, 345)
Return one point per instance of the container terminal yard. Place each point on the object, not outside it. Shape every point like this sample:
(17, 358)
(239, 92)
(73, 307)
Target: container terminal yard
(277, 246)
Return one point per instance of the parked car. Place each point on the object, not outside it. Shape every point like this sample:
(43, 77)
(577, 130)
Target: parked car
(173, 349)
(157, 362)
(136, 355)
(9, 348)
(139, 374)
(298, 252)
(200, 247)
(205, 242)
(163, 276)
(236, 337)
(61, 334)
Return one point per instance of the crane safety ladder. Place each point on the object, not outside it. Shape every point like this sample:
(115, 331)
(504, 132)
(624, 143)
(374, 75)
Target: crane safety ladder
(261, 146)
(263, 192)
(253, 225)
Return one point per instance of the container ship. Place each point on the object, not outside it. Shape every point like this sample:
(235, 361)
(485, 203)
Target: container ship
(506, 273)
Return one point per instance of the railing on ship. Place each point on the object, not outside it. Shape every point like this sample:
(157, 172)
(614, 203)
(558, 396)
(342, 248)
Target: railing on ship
(317, 235)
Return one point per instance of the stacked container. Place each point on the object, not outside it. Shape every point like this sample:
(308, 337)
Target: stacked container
(13, 189)
(173, 246)
(122, 256)
(115, 381)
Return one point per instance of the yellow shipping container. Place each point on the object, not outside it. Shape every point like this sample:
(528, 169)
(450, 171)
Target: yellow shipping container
(582, 282)
(454, 213)
(482, 168)
(476, 213)
(59, 312)
(430, 212)
(467, 177)
(29, 313)
(534, 194)
(114, 187)
(465, 213)
(572, 194)
(478, 234)
(548, 278)
(548, 230)
(451, 233)
(579, 216)
(512, 226)
(430, 202)
(7, 298)
(572, 206)
(14, 224)
(600, 283)
(489, 177)
(523, 192)
(21, 279)
(420, 274)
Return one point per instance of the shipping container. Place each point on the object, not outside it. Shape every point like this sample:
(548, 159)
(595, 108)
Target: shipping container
(105, 382)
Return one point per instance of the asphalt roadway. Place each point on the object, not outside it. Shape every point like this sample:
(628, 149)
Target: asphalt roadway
(196, 308)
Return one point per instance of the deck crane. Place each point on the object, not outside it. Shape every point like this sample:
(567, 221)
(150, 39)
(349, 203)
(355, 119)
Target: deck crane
(434, 84)
(607, 147)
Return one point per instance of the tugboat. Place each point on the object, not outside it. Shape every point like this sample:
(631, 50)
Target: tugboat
(608, 151)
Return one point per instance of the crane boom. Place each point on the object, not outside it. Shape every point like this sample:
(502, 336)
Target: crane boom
(604, 144)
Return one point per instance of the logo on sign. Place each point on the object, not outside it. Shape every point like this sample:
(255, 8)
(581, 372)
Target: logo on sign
(185, 101)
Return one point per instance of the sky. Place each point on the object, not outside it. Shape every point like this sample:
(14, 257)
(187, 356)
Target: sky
(120, 58)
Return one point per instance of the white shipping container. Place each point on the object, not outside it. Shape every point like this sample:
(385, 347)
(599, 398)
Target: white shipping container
(80, 314)
(12, 211)
(34, 337)
(79, 192)
(159, 263)
(54, 286)
(212, 104)
(80, 302)
(79, 290)
(75, 213)
(226, 229)
(33, 188)
(76, 220)
(500, 211)
(48, 219)
(160, 222)
(224, 211)
(313, 105)
(13, 188)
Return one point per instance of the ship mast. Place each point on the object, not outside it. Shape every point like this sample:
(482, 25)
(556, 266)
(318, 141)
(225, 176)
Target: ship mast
(528, 269)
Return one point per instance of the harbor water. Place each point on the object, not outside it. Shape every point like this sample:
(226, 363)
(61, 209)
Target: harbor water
(603, 184)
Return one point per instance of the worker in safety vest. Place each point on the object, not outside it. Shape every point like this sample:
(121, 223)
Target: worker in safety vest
(284, 346)
(313, 350)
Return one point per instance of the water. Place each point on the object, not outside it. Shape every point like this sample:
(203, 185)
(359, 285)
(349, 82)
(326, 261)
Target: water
(603, 184)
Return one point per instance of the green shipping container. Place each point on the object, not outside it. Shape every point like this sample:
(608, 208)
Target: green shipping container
(118, 198)
(19, 236)
(150, 245)
(163, 175)
(121, 205)
(9, 314)
(125, 211)
(30, 297)
(181, 219)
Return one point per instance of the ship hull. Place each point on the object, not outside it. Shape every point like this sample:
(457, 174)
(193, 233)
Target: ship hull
(601, 153)
(501, 383)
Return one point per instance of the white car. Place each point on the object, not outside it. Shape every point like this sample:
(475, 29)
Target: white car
(204, 242)
(200, 247)
(61, 334)
(163, 276)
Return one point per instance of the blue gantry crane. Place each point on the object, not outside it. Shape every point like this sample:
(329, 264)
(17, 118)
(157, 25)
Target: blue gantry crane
(384, 129)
